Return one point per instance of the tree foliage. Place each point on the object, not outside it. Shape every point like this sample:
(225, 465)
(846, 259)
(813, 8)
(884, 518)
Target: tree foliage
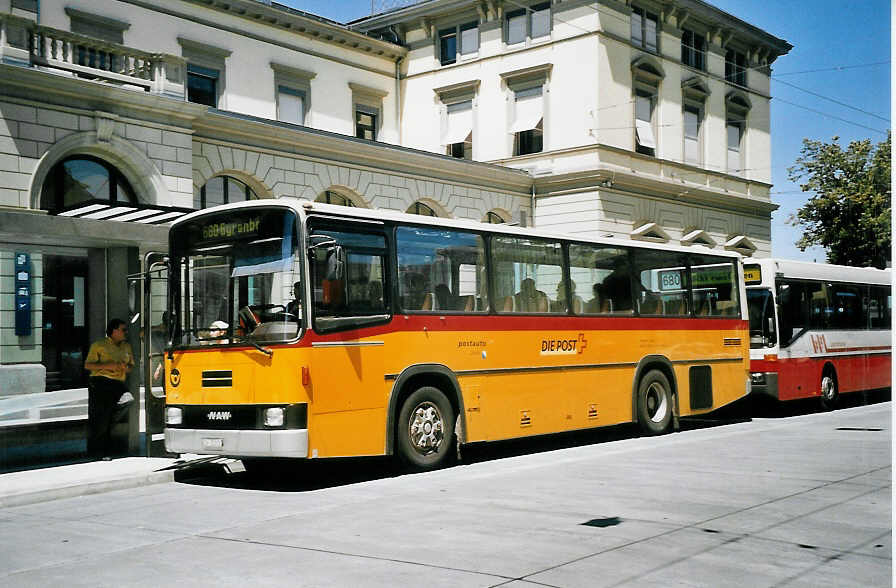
(849, 213)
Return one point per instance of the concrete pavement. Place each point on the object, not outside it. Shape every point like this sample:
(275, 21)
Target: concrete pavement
(89, 477)
(803, 500)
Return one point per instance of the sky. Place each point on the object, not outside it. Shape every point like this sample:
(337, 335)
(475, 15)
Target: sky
(834, 82)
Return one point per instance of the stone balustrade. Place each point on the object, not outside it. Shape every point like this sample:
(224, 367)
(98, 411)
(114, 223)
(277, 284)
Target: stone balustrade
(26, 43)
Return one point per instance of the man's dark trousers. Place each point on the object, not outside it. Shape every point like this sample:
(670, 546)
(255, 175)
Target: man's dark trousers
(102, 400)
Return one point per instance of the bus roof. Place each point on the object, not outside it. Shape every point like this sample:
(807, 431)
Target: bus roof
(306, 208)
(806, 270)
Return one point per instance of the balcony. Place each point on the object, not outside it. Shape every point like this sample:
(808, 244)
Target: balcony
(28, 44)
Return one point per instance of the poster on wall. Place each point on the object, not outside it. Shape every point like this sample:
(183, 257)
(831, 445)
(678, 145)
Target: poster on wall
(23, 294)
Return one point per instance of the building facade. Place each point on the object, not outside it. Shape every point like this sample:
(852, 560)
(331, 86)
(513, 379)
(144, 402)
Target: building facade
(647, 120)
(638, 119)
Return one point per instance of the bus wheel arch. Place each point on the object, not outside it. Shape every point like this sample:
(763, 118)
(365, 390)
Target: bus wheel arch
(414, 378)
(830, 390)
(661, 391)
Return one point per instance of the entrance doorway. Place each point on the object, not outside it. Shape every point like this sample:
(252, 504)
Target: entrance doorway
(65, 338)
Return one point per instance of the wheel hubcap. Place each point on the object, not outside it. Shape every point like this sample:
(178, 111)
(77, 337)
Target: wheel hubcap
(827, 387)
(425, 429)
(657, 403)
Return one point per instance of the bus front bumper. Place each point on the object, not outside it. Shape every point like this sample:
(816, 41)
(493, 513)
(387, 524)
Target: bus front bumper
(238, 443)
(765, 384)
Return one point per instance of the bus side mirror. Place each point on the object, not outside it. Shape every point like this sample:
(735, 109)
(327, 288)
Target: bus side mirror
(336, 263)
(334, 280)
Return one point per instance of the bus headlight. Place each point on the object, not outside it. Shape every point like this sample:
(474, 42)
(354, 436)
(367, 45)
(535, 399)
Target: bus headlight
(174, 415)
(274, 417)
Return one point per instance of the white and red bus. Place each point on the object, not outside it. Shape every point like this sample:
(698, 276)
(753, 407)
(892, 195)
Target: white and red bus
(817, 330)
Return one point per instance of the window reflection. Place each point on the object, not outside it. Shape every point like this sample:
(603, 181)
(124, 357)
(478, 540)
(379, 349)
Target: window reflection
(82, 179)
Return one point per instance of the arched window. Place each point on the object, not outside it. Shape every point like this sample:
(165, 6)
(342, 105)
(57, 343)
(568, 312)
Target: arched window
(81, 179)
(223, 190)
(493, 218)
(420, 208)
(335, 198)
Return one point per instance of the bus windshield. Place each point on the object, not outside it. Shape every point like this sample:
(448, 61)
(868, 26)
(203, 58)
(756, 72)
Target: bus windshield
(760, 304)
(236, 276)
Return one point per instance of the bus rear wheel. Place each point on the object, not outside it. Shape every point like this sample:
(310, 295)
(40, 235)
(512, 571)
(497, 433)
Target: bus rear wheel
(425, 429)
(829, 394)
(654, 403)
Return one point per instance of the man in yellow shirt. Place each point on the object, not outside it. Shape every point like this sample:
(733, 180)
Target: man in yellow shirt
(109, 361)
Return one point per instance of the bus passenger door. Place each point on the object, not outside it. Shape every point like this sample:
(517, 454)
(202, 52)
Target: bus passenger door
(349, 309)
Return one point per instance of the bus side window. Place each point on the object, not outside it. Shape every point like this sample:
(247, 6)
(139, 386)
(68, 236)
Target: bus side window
(602, 275)
(525, 269)
(442, 271)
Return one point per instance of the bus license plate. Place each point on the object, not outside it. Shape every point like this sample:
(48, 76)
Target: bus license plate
(213, 443)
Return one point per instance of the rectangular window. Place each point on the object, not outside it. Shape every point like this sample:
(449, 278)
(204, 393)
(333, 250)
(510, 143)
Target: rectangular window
(845, 307)
(202, 85)
(458, 138)
(290, 105)
(713, 286)
(355, 294)
(691, 134)
(528, 125)
(448, 46)
(365, 124)
(644, 29)
(533, 22)
(879, 307)
(693, 49)
(525, 269)
(441, 271)
(662, 280)
(733, 130)
(736, 67)
(601, 275)
(801, 305)
(644, 137)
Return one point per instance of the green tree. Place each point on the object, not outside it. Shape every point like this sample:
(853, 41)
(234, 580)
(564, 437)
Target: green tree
(849, 212)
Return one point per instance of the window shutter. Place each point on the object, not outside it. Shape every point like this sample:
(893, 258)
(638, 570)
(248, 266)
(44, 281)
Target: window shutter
(516, 29)
(541, 23)
(529, 112)
(469, 41)
(290, 107)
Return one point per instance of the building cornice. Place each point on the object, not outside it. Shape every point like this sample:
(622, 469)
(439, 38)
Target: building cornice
(710, 15)
(304, 23)
(283, 138)
(668, 185)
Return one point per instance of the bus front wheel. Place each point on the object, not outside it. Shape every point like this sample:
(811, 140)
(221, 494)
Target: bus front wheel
(829, 393)
(425, 429)
(654, 403)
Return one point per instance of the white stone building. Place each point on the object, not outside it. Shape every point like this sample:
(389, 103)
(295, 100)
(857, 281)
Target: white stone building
(639, 119)
(118, 116)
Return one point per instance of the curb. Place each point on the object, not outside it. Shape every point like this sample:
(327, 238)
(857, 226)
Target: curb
(87, 488)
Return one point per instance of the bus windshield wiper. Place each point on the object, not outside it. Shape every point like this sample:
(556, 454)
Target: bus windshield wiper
(265, 350)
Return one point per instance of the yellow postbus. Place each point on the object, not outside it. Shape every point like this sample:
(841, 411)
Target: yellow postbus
(307, 330)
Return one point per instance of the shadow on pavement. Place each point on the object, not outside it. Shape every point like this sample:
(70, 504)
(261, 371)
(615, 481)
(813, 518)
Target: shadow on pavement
(286, 475)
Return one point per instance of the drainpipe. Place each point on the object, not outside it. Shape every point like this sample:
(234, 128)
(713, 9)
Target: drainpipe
(397, 41)
(398, 98)
(532, 205)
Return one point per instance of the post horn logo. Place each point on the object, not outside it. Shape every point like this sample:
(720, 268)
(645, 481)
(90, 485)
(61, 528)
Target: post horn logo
(174, 378)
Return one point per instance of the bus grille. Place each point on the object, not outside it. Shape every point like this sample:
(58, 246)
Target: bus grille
(217, 379)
